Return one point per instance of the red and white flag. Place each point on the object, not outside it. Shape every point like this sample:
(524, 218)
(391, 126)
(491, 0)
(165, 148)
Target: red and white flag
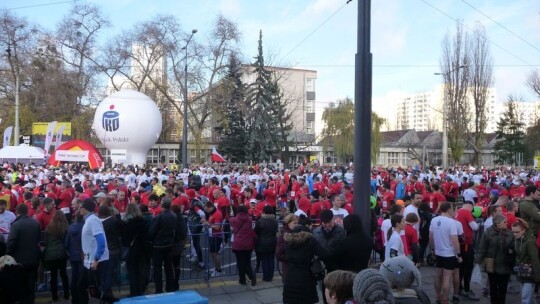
(216, 157)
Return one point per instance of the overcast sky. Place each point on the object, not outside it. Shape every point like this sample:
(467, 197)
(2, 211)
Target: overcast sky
(321, 35)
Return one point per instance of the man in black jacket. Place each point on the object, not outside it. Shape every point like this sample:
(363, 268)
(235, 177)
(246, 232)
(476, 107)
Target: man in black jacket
(23, 245)
(163, 235)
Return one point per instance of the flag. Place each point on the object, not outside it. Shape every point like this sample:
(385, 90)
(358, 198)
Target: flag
(7, 135)
(49, 136)
(59, 136)
(216, 157)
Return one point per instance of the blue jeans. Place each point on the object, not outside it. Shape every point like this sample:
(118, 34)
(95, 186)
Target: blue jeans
(527, 293)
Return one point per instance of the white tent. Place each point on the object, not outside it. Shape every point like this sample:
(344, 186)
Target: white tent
(23, 154)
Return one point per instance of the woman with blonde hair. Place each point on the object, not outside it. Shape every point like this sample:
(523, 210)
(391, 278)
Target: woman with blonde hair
(289, 223)
(55, 256)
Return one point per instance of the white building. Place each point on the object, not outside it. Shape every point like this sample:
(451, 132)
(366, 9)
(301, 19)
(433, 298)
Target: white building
(422, 111)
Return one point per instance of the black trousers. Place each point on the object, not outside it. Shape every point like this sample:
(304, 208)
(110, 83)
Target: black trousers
(466, 268)
(243, 262)
(498, 284)
(76, 270)
(196, 240)
(90, 282)
(268, 265)
(162, 259)
(137, 274)
(30, 288)
(55, 267)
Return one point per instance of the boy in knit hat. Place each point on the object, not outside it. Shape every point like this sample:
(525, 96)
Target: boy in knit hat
(405, 281)
(370, 287)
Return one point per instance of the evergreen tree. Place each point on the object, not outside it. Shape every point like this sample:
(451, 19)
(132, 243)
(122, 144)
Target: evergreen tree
(510, 135)
(261, 96)
(284, 121)
(232, 127)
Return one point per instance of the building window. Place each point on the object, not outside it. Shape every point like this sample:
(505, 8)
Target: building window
(309, 127)
(393, 157)
(310, 84)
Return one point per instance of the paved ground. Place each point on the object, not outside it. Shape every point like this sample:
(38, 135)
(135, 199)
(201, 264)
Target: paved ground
(227, 290)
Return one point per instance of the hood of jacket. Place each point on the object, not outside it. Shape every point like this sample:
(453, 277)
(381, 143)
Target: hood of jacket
(297, 237)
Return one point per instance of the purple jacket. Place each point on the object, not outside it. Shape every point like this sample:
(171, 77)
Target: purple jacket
(244, 236)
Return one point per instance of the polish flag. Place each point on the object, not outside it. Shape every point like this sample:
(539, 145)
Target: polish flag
(216, 157)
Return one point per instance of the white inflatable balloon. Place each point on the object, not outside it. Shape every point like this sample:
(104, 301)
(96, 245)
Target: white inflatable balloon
(128, 120)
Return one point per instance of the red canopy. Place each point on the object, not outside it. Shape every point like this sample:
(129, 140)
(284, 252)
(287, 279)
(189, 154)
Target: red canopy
(79, 151)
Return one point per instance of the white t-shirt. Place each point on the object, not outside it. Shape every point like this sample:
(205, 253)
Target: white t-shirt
(412, 209)
(488, 223)
(342, 213)
(385, 226)
(6, 219)
(92, 227)
(469, 195)
(395, 242)
(443, 228)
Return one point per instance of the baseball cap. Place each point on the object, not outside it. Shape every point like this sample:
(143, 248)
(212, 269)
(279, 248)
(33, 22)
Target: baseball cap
(100, 195)
(113, 192)
(253, 201)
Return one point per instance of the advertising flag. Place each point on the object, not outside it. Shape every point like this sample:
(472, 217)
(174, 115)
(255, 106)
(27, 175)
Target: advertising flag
(49, 136)
(59, 136)
(7, 135)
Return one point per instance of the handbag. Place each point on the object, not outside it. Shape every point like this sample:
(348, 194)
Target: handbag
(126, 250)
(489, 265)
(317, 269)
(525, 272)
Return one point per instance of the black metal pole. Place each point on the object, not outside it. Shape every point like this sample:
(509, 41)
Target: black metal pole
(362, 115)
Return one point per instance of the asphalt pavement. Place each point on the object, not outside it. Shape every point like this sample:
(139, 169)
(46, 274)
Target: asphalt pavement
(226, 289)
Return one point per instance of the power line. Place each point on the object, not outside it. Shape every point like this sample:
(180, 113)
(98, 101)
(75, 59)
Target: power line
(315, 30)
(405, 65)
(36, 5)
(490, 41)
(502, 26)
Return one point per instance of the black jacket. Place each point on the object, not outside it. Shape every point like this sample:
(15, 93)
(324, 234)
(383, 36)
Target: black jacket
(113, 229)
(327, 241)
(163, 229)
(266, 229)
(299, 286)
(134, 234)
(354, 251)
(23, 241)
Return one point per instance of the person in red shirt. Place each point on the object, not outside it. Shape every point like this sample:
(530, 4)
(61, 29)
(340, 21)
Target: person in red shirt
(450, 190)
(436, 198)
(335, 186)
(8, 196)
(316, 206)
(253, 210)
(153, 204)
(120, 202)
(145, 195)
(182, 200)
(212, 189)
(465, 218)
(28, 196)
(214, 220)
(222, 202)
(510, 214)
(304, 205)
(411, 238)
(45, 216)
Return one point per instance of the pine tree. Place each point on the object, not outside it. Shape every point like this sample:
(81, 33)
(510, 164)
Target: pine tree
(232, 125)
(510, 135)
(261, 96)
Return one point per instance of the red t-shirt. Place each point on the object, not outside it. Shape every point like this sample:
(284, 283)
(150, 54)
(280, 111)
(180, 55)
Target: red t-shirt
(120, 206)
(155, 211)
(216, 218)
(223, 203)
(65, 199)
(436, 199)
(182, 201)
(316, 209)
(510, 219)
(44, 218)
(304, 204)
(465, 217)
(411, 237)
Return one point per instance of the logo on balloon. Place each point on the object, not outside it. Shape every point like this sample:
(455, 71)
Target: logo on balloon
(110, 121)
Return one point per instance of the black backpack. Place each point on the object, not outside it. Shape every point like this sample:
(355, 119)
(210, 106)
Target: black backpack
(193, 218)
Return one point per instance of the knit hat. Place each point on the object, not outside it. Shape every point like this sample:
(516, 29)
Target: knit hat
(401, 272)
(370, 287)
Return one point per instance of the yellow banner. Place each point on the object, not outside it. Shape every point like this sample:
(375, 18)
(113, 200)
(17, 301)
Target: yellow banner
(40, 128)
(537, 162)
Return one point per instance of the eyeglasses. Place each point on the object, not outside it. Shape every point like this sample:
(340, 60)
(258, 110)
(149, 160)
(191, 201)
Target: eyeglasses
(516, 232)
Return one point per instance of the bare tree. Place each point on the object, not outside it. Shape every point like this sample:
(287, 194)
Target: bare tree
(480, 80)
(454, 64)
(533, 81)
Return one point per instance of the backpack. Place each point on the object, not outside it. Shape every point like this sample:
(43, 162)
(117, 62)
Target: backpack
(193, 218)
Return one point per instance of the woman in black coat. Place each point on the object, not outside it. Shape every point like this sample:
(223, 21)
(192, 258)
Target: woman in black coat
(134, 235)
(266, 229)
(353, 252)
(300, 287)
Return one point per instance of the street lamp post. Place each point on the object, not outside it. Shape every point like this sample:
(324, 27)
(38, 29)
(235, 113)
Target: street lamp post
(445, 113)
(185, 118)
(17, 104)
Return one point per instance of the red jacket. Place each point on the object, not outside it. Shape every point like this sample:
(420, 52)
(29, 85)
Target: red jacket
(244, 236)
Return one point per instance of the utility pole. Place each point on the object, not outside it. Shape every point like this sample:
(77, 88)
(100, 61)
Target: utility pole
(17, 103)
(362, 115)
(185, 117)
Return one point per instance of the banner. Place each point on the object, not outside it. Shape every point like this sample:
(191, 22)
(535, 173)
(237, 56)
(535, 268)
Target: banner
(59, 136)
(7, 135)
(49, 136)
(71, 155)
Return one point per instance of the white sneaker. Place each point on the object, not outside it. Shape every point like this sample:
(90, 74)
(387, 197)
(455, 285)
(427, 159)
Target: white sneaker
(216, 273)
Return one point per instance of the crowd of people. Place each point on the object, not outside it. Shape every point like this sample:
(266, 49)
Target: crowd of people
(97, 219)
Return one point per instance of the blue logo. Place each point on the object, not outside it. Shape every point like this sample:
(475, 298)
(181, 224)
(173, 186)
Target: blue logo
(111, 121)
